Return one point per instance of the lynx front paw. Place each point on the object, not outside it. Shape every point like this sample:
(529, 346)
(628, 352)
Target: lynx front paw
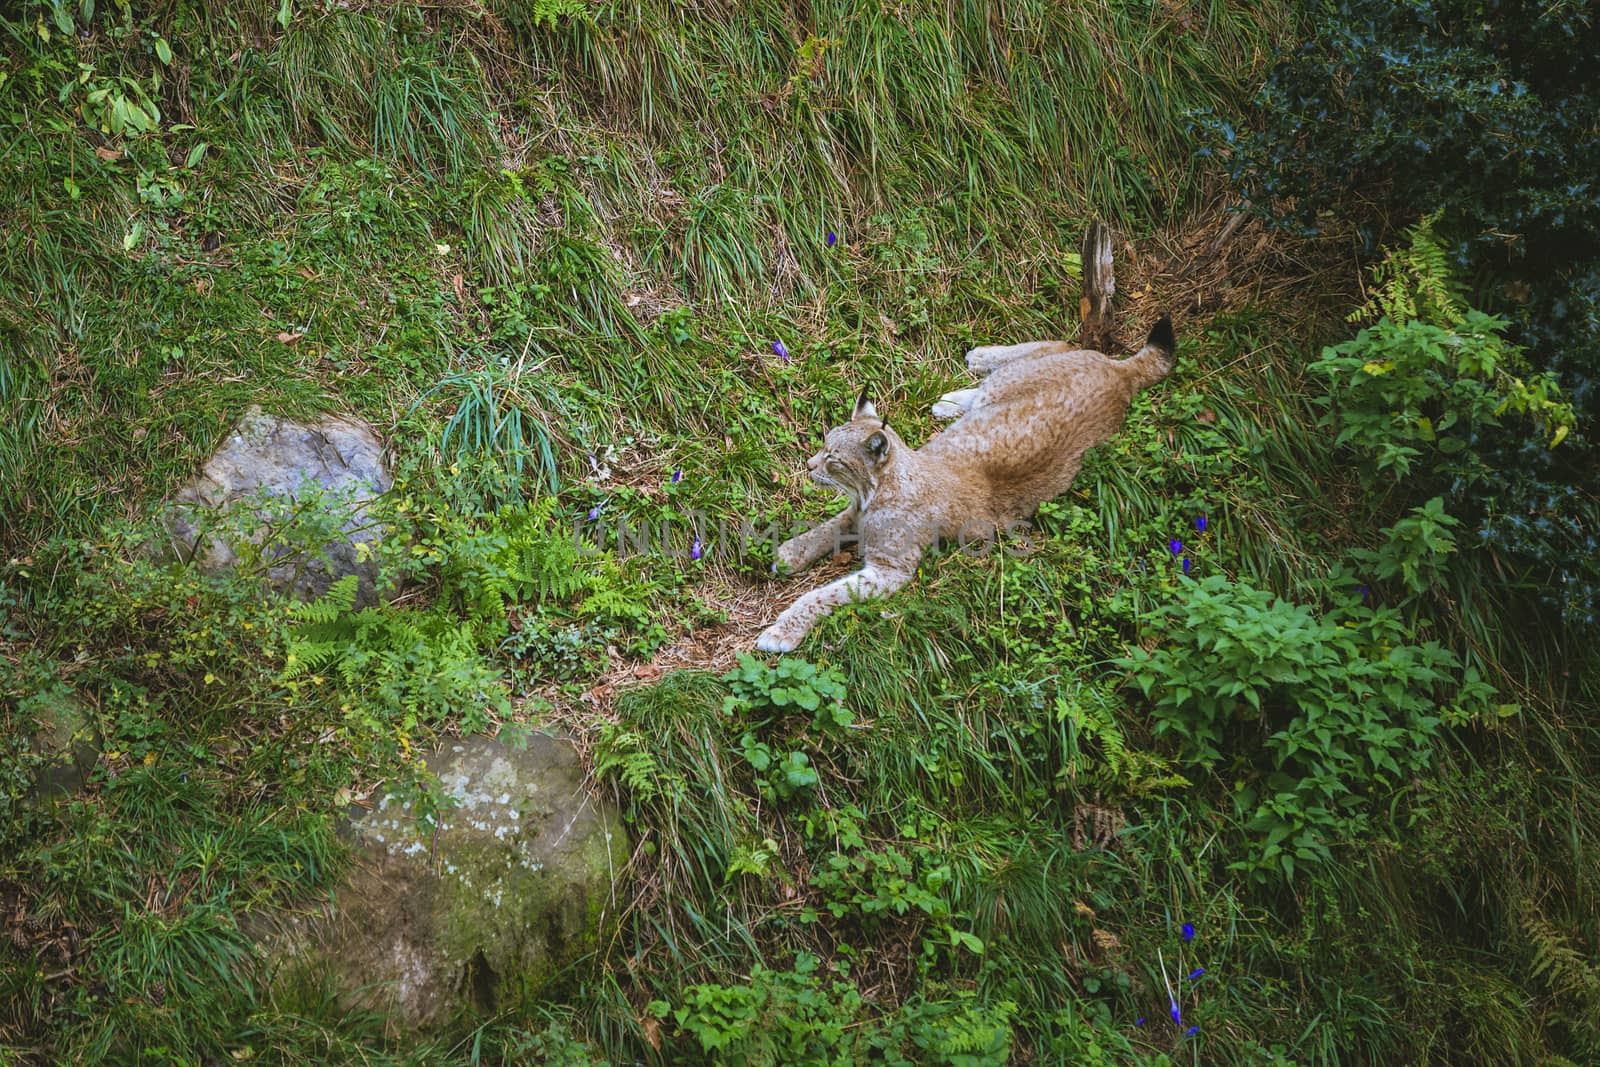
(774, 639)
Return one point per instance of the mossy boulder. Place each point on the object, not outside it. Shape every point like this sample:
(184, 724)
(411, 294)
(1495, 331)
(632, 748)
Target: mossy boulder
(65, 740)
(479, 911)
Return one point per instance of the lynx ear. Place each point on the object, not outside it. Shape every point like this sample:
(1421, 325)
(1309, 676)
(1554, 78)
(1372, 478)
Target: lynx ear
(864, 408)
(878, 444)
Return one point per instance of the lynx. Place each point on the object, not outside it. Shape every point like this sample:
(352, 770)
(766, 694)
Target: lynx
(1018, 440)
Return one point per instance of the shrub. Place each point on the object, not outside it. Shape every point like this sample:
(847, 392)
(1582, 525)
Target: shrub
(1484, 110)
(1329, 715)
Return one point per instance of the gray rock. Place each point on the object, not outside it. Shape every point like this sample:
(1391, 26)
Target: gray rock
(479, 915)
(315, 481)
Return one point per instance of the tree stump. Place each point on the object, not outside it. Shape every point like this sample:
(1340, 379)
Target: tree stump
(1099, 287)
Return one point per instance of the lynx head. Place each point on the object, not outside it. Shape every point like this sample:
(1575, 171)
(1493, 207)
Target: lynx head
(854, 453)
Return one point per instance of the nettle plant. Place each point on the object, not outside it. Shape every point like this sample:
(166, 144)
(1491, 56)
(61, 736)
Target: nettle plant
(1321, 718)
(1415, 396)
(761, 695)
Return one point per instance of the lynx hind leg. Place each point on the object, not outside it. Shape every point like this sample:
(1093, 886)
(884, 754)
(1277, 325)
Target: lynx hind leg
(954, 405)
(985, 359)
(785, 634)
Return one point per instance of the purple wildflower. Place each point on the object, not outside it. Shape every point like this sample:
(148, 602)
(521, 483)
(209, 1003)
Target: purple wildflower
(832, 237)
(1186, 564)
(1196, 973)
(694, 549)
(1191, 1031)
(594, 513)
(1366, 594)
(783, 353)
(1176, 546)
(1188, 932)
(1177, 1016)
(1200, 523)
(1139, 1021)
(677, 476)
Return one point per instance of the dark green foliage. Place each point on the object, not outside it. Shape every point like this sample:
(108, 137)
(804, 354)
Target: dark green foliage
(1323, 719)
(1484, 111)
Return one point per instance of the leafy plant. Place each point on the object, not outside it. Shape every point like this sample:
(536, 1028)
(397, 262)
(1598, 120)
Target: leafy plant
(1323, 718)
(761, 696)
(1481, 117)
(396, 669)
(764, 691)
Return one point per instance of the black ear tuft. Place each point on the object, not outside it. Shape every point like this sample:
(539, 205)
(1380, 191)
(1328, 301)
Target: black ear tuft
(863, 408)
(1162, 335)
(877, 444)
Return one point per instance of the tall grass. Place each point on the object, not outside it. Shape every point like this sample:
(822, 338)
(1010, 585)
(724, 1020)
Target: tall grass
(527, 235)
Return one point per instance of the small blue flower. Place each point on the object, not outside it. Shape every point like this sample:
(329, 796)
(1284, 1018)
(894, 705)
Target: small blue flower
(1200, 523)
(677, 476)
(694, 549)
(1196, 973)
(1176, 546)
(832, 237)
(1366, 594)
(1188, 932)
(1139, 1021)
(783, 353)
(594, 513)
(1177, 1016)
(1191, 1031)
(1186, 564)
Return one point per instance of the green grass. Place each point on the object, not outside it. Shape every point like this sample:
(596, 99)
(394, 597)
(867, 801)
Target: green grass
(532, 241)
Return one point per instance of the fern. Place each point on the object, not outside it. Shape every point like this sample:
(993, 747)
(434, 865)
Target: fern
(1135, 772)
(628, 755)
(1562, 968)
(339, 599)
(1415, 282)
(616, 604)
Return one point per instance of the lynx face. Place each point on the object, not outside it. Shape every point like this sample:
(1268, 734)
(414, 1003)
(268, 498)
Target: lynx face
(852, 455)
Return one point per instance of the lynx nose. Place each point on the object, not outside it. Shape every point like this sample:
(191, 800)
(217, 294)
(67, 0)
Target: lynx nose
(814, 462)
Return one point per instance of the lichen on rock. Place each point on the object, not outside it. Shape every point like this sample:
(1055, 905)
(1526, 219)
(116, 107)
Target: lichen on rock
(478, 909)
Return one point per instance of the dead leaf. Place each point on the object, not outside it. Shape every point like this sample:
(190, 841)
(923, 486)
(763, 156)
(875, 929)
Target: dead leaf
(1207, 416)
(652, 1031)
(1106, 941)
(110, 155)
(202, 285)
(290, 338)
(647, 671)
(459, 283)
(307, 273)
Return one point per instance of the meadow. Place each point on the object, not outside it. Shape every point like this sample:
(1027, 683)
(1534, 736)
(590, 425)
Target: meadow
(1257, 752)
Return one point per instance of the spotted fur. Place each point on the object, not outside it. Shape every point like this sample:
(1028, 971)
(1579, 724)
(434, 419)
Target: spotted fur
(1018, 440)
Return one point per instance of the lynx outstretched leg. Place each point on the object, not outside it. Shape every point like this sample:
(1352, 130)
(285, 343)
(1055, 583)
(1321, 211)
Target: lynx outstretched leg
(802, 551)
(985, 359)
(791, 627)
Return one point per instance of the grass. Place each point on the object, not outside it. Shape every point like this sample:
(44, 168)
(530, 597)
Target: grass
(549, 248)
